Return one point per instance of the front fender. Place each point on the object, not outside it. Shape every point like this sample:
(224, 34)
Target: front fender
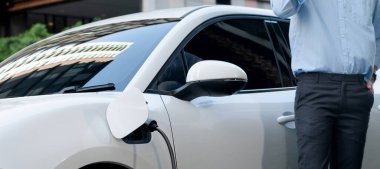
(41, 134)
(126, 156)
(72, 131)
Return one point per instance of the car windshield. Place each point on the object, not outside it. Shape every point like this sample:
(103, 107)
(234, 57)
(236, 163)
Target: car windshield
(98, 55)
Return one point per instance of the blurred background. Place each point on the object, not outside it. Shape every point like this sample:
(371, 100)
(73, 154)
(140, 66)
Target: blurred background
(17, 16)
(23, 22)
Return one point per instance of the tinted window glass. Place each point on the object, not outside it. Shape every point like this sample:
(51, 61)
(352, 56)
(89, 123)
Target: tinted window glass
(173, 74)
(282, 53)
(282, 31)
(243, 42)
(171, 77)
(284, 26)
(94, 56)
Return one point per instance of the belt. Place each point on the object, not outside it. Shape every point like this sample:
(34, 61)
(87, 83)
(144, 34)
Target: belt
(317, 76)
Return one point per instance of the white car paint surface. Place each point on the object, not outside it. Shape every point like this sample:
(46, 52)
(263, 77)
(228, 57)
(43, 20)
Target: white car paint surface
(69, 101)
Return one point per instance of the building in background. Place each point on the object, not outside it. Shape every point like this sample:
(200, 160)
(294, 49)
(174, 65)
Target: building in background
(160, 4)
(18, 15)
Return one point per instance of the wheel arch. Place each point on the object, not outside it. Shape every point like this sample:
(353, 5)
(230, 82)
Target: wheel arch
(105, 165)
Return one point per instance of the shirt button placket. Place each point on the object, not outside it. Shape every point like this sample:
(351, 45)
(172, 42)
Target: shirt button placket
(342, 28)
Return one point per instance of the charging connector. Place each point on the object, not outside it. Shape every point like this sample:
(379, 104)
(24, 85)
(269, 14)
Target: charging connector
(152, 126)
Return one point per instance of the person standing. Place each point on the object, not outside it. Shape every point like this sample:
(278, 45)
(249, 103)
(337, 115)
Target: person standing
(335, 45)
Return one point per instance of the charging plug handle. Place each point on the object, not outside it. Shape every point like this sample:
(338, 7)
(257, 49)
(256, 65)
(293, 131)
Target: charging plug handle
(152, 126)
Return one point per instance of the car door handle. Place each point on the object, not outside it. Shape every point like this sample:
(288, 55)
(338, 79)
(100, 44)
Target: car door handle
(285, 119)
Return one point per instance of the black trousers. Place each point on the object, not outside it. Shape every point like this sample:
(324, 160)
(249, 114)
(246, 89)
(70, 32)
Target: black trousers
(331, 115)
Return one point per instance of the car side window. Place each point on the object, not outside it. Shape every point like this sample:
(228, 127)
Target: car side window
(173, 74)
(243, 42)
(284, 26)
(171, 77)
(281, 47)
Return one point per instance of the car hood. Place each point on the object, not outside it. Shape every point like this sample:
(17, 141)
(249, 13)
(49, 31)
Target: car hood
(22, 107)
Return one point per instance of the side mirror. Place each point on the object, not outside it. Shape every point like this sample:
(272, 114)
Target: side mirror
(212, 78)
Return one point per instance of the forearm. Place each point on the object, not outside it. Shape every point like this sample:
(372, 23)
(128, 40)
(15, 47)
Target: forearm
(286, 8)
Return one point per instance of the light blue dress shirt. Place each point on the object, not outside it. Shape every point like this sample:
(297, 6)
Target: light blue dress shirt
(332, 36)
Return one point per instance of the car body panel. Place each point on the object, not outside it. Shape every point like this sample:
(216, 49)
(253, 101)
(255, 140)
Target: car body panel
(371, 159)
(46, 124)
(156, 14)
(239, 130)
(71, 130)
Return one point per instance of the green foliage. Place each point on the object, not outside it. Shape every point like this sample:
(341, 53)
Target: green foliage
(79, 23)
(11, 45)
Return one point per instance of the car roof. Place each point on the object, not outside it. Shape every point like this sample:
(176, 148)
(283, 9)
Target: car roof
(176, 13)
(156, 14)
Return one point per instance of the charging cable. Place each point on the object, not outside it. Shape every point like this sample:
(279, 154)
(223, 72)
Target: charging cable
(152, 126)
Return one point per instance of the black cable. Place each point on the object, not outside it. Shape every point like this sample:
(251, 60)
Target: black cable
(154, 127)
(174, 161)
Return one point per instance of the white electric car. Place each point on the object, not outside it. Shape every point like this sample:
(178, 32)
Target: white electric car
(215, 79)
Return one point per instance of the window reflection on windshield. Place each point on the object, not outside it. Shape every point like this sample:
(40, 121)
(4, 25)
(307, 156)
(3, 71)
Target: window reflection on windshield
(65, 55)
(87, 35)
(76, 57)
(47, 71)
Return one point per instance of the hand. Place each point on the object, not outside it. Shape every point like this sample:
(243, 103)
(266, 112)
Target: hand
(370, 85)
(372, 80)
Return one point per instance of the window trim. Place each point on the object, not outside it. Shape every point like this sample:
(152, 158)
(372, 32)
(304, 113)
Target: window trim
(266, 90)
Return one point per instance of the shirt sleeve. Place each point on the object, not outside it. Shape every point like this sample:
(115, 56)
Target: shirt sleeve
(376, 22)
(286, 8)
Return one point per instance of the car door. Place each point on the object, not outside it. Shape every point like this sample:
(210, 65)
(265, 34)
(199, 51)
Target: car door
(238, 131)
(279, 30)
(371, 159)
